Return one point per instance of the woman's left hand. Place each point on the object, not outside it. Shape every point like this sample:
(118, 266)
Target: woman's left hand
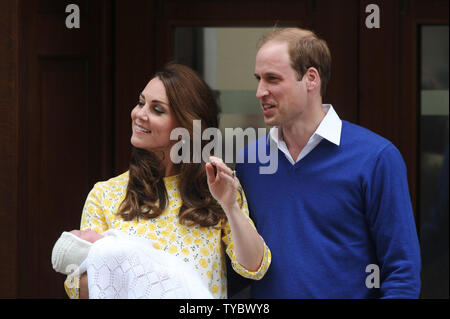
(224, 185)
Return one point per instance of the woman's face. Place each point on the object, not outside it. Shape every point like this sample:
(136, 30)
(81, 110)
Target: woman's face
(153, 119)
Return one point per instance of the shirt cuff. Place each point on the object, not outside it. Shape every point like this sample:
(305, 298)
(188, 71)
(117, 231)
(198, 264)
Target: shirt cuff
(258, 274)
(71, 285)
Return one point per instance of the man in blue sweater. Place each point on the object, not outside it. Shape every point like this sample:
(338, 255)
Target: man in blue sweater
(336, 214)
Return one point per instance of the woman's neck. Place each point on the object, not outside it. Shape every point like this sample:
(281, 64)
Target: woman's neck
(170, 169)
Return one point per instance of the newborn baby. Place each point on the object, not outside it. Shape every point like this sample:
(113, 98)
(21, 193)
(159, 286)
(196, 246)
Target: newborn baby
(71, 249)
(123, 266)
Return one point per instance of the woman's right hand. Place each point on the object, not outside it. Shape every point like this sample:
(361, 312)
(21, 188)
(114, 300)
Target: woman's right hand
(224, 185)
(84, 289)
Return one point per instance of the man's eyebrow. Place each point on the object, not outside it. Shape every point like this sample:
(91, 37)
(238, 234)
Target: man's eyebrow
(271, 74)
(266, 74)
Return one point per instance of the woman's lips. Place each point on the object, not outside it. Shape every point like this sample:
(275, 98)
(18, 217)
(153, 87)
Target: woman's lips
(140, 129)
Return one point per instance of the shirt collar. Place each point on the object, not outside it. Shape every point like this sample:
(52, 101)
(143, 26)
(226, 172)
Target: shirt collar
(329, 128)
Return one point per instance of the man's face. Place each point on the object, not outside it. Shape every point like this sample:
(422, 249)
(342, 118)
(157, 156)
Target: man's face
(281, 94)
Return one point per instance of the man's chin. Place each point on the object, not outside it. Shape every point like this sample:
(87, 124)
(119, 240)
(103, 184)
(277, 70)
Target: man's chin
(270, 121)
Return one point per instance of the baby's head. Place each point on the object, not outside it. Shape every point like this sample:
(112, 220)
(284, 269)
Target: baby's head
(88, 235)
(72, 248)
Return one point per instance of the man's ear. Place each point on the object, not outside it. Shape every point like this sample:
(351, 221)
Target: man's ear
(312, 79)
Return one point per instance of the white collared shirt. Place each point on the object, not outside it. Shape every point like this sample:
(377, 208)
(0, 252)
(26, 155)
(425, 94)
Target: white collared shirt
(329, 129)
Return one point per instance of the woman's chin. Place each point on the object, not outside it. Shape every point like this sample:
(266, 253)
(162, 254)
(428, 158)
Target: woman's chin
(136, 142)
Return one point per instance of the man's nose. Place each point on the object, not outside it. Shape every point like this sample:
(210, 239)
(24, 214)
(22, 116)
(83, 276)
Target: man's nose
(261, 90)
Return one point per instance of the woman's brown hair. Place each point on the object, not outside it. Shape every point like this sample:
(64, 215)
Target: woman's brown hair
(146, 197)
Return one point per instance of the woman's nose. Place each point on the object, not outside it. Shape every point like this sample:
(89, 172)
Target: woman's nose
(142, 113)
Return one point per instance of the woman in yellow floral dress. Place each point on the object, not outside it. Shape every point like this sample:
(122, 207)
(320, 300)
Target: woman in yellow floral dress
(186, 209)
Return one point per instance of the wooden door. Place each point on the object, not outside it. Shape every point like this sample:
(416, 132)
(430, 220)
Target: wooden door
(65, 129)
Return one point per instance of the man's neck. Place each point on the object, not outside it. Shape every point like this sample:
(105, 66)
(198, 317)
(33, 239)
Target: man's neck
(297, 134)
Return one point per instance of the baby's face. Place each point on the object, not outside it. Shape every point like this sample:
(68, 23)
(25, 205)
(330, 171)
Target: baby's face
(88, 235)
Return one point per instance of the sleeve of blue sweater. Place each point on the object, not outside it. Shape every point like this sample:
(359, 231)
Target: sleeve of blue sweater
(391, 222)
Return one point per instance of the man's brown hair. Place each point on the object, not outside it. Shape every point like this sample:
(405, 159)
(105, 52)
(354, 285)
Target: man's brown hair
(305, 50)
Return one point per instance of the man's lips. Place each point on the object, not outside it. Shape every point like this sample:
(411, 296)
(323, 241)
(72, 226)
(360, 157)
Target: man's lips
(267, 106)
(268, 109)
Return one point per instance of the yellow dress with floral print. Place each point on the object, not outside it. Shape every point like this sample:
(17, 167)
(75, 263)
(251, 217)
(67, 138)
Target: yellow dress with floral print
(202, 247)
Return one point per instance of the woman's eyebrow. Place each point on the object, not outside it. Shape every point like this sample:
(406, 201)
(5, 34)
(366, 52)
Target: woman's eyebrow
(160, 102)
(154, 100)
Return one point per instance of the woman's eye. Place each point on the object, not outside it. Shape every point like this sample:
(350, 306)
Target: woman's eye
(140, 103)
(158, 109)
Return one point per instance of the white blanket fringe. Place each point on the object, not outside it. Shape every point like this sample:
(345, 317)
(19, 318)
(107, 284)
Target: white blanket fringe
(120, 266)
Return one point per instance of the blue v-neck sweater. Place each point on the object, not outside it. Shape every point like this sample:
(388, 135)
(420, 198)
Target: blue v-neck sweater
(331, 215)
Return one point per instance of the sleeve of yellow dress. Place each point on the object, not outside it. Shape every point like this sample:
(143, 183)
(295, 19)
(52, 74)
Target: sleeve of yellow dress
(91, 218)
(227, 238)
